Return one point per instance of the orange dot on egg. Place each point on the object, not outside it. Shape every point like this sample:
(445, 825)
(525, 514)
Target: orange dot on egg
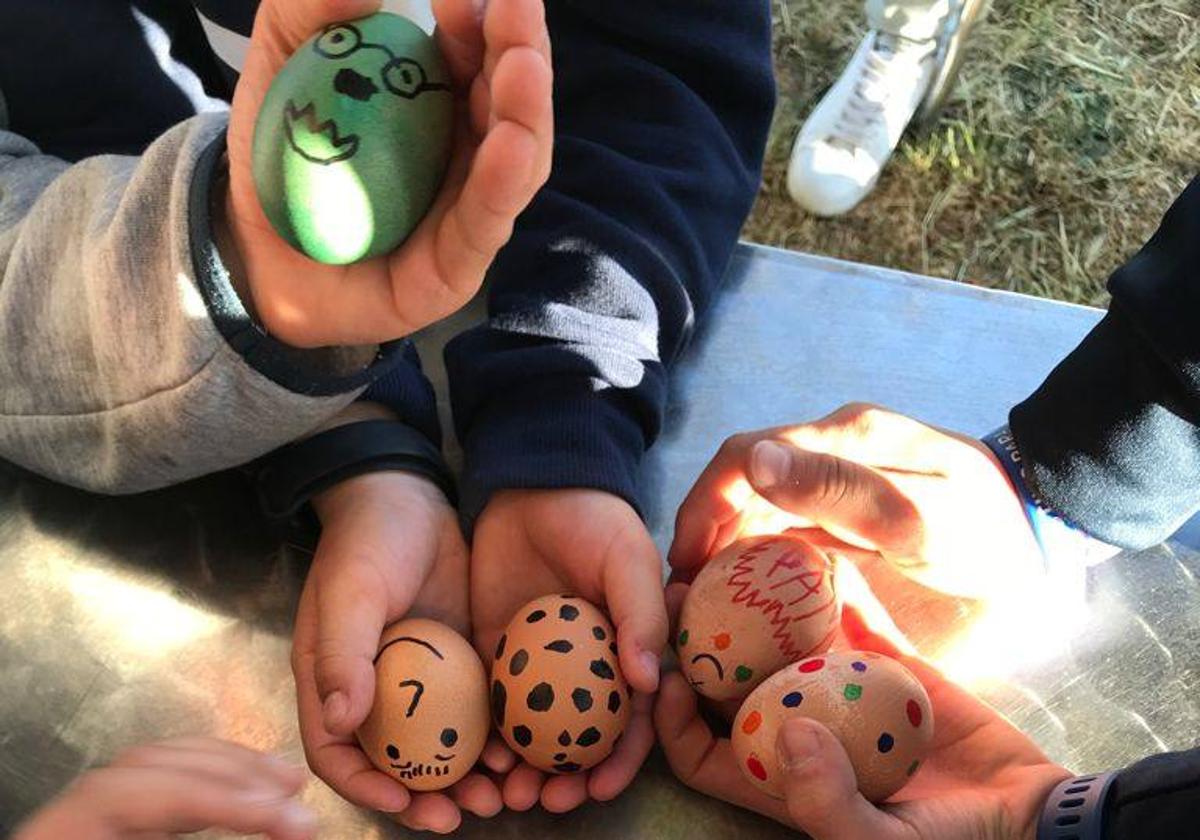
(722, 641)
(751, 723)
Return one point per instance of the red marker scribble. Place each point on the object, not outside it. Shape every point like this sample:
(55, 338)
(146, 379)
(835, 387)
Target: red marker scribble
(795, 584)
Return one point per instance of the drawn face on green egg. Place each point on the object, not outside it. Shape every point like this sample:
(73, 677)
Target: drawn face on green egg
(353, 139)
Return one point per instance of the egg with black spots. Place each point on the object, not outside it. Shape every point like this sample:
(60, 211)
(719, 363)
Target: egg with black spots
(429, 720)
(871, 703)
(558, 696)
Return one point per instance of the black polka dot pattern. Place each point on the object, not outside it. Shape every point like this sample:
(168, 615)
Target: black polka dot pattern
(560, 756)
(568, 612)
(614, 701)
(602, 669)
(598, 633)
(560, 646)
(522, 735)
(587, 737)
(535, 616)
(392, 752)
(499, 701)
(582, 698)
(567, 767)
(449, 737)
(564, 738)
(500, 646)
(518, 662)
(541, 698)
(613, 647)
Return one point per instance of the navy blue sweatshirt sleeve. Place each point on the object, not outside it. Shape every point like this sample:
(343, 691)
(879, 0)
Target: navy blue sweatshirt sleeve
(662, 110)
(1111, 440)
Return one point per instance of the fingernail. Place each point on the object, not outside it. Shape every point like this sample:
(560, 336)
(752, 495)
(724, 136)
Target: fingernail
(797, 745)
(649, 664)
(297, 817)
(335, 709)
(769, 463)
(480, 9)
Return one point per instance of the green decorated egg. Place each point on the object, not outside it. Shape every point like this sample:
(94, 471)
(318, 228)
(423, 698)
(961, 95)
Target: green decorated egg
(353, 138)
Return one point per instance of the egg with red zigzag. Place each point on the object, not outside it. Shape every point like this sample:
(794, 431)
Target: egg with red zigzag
(871, 703)
(756, 606)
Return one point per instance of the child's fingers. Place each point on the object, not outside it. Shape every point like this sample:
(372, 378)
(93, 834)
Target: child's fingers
(165, 799)
(218, 761)
(479, 795)
(564, 793)
(434, 812)
(497, 757)
(609, 778)
(522, 787)
(460, 38)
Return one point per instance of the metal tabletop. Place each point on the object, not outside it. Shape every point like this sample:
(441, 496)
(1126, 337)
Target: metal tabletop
(135, 619)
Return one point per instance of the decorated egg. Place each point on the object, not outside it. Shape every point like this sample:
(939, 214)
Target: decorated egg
(558, 696)
(871, 703)
(429, 721)
(756, 606)
(353, 138)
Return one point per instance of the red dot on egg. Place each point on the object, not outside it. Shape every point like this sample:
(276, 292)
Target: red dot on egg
(756, 768)
(721, 641)
(914, 712)
(811, 665)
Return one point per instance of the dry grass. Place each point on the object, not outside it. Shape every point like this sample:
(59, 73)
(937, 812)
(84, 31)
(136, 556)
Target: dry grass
(1073, 126)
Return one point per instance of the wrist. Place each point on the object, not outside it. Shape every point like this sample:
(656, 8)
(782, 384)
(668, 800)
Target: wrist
(384, 488)
(1073, 808)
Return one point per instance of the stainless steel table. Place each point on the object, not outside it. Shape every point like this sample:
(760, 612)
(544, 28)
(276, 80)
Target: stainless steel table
(125, 620)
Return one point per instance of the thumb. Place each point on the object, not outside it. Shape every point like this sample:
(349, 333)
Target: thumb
(842, 496)
(820, 788)
(633, 592)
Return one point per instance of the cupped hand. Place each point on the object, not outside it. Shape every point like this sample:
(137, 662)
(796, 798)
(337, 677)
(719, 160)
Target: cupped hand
(936, 504)
(390, 547)
(179, 787)
(983, 778)
(502, 77)
(530, 543)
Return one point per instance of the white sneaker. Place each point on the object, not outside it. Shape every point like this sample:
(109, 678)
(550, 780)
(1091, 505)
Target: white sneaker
(844, 144)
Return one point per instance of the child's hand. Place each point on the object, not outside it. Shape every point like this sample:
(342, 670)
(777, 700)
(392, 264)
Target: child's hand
(504, 135)
(179, 787)
(390, 547)
(936, 504)
(983, 779)
(530, 543)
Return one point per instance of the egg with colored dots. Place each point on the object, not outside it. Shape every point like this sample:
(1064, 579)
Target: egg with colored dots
(754, 607)
(429, 721)
(558, 696)
(871, 703)
(353, 138)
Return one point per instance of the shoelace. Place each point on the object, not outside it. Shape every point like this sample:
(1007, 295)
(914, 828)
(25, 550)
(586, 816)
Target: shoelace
(889, 71)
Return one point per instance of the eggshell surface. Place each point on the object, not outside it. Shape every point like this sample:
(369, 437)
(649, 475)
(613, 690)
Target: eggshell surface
(558, 696)
(429, 722)
(871, 703)
(353, 138)
(756, 606)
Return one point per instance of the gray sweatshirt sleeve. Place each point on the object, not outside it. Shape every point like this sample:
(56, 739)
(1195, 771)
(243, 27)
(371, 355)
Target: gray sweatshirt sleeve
(127, 361)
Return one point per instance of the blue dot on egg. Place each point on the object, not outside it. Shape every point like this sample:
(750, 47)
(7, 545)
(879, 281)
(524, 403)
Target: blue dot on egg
(859, 666)
(793, 699)
(886, 742)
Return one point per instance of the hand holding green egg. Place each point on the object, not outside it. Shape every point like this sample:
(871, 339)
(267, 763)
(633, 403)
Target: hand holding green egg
(374, 170)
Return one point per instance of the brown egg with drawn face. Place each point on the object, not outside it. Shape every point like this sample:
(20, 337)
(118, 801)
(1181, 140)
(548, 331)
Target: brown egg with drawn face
(871, 703)
(429, 721)
(756, 606)
(558, 695)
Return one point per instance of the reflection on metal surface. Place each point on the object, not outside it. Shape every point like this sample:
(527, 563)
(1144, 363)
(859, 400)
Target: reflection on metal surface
(128, 620)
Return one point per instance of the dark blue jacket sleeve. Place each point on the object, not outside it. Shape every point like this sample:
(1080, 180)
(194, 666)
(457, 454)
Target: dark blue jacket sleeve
(1111, 440)
(662, 110)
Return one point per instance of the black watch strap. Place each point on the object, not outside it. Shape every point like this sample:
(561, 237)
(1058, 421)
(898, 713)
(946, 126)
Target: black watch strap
(293, 474)
(1075, 808)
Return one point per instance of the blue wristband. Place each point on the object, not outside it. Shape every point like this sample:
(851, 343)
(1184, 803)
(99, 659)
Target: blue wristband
(1054, 535)
(1075, 808)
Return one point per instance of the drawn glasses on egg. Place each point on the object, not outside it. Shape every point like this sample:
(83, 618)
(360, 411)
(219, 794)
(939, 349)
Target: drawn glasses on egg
(448, 736)
(402, 76)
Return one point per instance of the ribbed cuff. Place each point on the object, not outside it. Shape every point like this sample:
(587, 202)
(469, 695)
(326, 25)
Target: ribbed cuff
(314, 372)
(554, 434)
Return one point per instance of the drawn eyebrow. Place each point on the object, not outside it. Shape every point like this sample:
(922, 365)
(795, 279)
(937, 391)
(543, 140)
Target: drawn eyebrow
(420, 686)
(715, 662)
(415, 641)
